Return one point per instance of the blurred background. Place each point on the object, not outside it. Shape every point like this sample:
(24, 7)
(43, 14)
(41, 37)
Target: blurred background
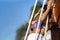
(14, 15)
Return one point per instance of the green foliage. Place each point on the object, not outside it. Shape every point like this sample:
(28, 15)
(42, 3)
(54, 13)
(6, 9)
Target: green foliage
(21, 32)
(38, 6)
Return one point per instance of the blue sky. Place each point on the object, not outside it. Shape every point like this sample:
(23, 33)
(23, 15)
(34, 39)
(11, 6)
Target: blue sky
(13, 13)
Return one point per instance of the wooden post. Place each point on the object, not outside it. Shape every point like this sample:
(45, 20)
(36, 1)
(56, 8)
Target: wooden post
(57, 10)
(55, 32)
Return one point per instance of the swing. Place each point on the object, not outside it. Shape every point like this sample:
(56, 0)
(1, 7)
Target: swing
(44, 2)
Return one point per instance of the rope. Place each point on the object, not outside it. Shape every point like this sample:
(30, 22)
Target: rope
(40, 17)
(30, 20)
(46, 28)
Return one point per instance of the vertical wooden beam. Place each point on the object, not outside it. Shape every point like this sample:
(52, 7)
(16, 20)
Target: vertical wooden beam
(57, 10)
(55, 32)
